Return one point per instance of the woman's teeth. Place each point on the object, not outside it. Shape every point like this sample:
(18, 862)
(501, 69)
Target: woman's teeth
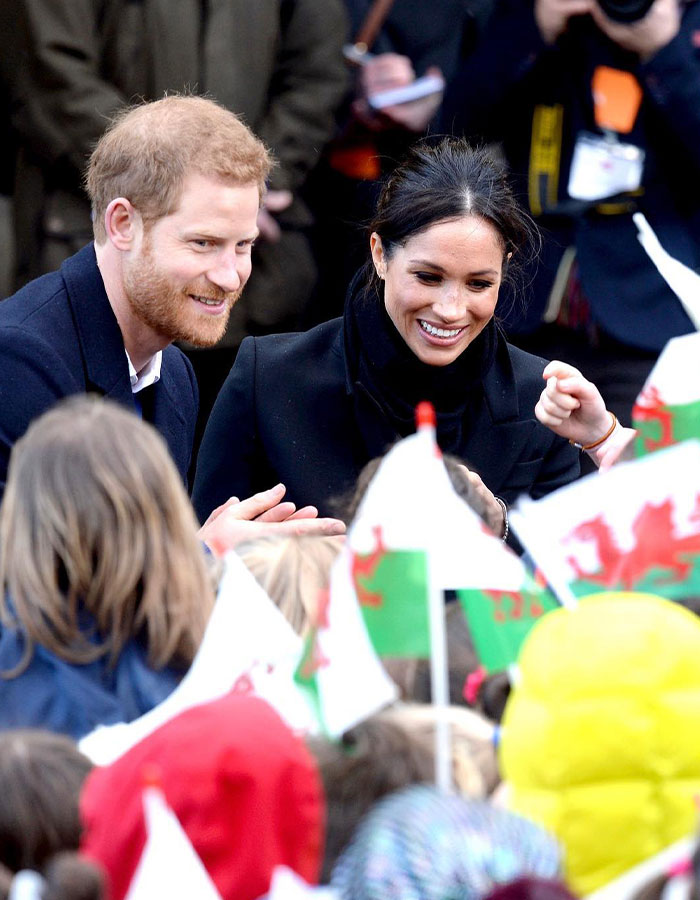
(439, 332)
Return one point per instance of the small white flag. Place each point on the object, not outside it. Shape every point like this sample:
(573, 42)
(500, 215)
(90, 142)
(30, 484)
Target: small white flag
(248, 646)
(169, 866)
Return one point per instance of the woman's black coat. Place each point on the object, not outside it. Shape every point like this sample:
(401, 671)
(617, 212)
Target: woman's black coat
(289, 411)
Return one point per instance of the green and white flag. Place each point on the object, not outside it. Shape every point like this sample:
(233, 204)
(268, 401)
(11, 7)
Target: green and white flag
(413, 532)
(634, 528)
(339, 669)
(668, 409)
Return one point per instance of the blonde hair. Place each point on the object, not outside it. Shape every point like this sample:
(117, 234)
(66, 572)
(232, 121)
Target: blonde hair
(293, 571)
(148, 151)
(95, 519)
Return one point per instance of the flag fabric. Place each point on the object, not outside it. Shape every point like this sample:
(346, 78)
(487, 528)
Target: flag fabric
(667, 410)
(248, 646)
(413, 533)
(287, 885)
(169, 865)
(634, 528)
(683, 281)
(500, 620)
(339, 669)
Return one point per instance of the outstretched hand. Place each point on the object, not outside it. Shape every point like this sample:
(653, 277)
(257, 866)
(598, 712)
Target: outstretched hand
(262, 514)
(571, 406)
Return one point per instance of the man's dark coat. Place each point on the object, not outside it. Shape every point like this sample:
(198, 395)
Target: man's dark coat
(59, 336)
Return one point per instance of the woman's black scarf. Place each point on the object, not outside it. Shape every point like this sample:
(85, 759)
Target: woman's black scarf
(387, 369)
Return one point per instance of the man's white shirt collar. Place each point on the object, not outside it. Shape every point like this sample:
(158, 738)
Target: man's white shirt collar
(149, 375)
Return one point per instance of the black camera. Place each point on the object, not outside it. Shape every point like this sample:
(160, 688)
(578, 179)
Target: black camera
(625, 10)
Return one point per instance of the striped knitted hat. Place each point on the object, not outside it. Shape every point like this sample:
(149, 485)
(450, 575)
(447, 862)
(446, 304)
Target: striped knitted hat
(420, 844)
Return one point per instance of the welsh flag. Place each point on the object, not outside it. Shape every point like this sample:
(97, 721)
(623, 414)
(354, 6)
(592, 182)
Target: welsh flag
(634, 528)
(339, 669)
(248, 647)
(412, 535)
(668, 409)
(169, 865)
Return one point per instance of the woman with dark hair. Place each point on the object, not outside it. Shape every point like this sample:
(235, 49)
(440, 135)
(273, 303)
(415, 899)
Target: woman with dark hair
(311, 409)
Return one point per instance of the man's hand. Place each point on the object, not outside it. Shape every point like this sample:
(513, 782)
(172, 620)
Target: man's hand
(275, 202)
(262, 514)
(571, 406)
(552, 16)
(646, 36)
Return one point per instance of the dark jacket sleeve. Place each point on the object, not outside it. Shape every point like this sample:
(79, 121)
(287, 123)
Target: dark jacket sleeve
(476, 98)
(671, 79)
(561, 466)
(309, 82)
(64, 102)
(225, 463)
(33, 377)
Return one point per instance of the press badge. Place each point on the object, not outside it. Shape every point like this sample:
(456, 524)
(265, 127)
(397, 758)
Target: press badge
(603, 166)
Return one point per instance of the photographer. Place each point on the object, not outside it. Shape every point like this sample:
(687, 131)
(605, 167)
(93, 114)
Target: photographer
(597, 105)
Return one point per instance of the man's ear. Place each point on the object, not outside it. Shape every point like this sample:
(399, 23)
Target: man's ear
(377, 250)
(122, 223)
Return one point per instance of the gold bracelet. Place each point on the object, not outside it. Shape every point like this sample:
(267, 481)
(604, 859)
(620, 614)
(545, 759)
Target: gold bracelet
(600, 440)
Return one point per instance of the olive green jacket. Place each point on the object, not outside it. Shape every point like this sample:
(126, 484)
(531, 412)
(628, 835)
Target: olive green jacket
(277, 63)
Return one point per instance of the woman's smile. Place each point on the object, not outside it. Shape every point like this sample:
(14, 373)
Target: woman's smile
(439, 334)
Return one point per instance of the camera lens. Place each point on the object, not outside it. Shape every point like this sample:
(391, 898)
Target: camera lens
(625, 10)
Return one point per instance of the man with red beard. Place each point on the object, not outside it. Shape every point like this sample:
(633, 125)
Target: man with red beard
(175, 187)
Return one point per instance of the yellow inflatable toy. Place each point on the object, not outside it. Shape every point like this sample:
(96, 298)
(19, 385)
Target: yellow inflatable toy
(601, 735)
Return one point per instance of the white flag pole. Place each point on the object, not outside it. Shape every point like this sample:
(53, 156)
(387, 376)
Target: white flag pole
(439, 683)
(535, 542)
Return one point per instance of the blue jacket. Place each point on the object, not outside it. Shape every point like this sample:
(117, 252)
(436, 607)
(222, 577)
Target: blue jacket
(59, 336)
(74, 699)
(513, 77)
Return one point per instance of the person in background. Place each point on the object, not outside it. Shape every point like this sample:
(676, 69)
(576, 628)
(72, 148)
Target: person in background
(599, 119)
(389, 751)
(41, 776)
